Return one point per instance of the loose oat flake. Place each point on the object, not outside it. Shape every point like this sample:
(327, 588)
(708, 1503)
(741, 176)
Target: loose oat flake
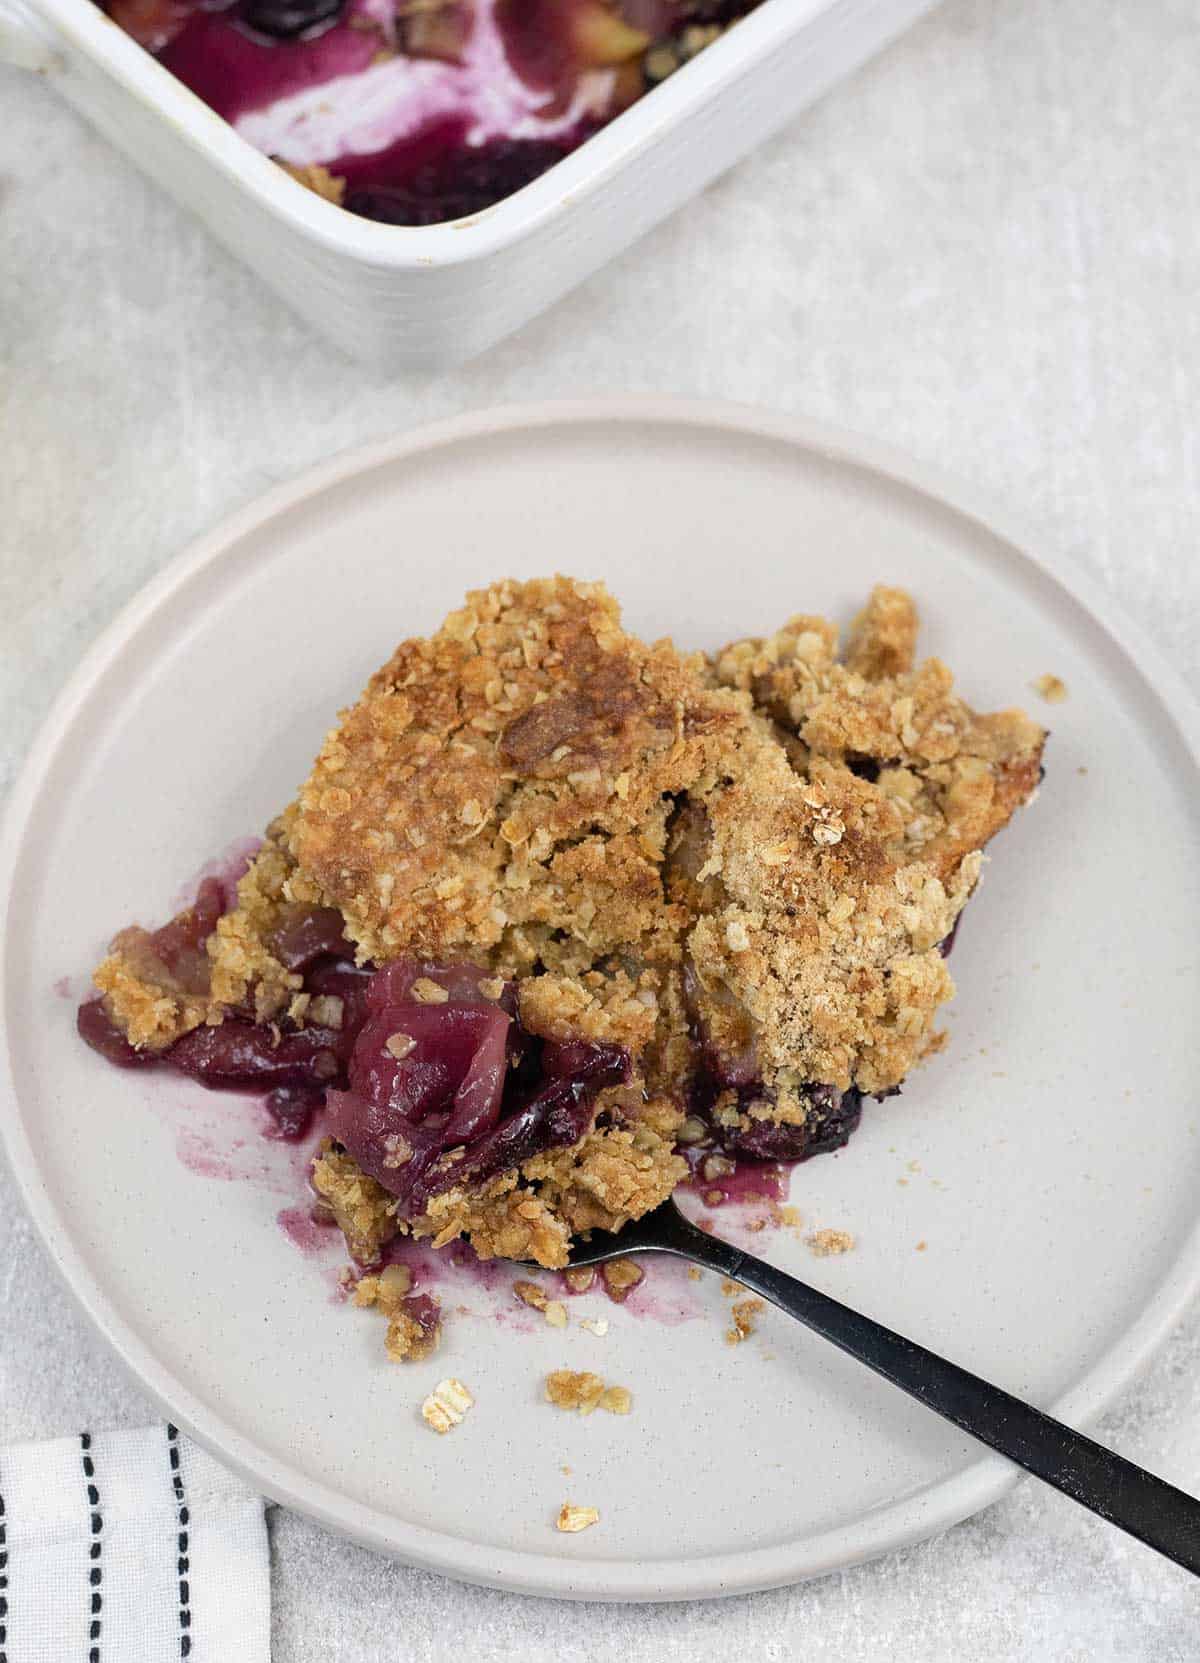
(446, 1405)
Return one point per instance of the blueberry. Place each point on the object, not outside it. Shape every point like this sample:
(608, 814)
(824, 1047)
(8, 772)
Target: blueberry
(286, 19)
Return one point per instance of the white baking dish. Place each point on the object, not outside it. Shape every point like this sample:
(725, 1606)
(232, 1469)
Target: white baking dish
(428, 297)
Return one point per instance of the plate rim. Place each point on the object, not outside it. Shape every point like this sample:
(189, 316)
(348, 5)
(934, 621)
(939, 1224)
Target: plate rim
(933, 1508)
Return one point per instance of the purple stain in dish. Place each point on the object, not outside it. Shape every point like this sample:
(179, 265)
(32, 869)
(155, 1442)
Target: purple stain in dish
(235, 72)
(460, 183)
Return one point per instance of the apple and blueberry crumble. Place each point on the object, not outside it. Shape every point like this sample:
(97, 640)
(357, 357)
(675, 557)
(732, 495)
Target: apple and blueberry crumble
(559, 913)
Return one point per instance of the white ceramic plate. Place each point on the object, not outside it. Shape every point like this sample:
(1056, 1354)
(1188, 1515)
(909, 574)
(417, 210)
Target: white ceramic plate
(1048, 1160)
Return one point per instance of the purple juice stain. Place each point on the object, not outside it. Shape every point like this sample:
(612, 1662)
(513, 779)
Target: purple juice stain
(306, 1230)
(750, 1181)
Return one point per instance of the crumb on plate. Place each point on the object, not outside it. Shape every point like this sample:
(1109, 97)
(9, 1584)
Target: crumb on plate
(585, 1391)
(1051, 688)
(745, 1315)
(532, 1294)
(621, 1276)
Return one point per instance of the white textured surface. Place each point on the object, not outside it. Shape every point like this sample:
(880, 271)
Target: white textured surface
(984, 248)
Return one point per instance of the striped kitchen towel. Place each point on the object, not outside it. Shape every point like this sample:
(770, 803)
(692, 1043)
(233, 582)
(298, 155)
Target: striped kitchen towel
(129, 1547)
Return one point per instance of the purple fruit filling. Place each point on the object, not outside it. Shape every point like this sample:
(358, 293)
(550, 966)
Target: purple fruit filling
(450, 1092)
(425, 1080)
(728, 1055)
(832, 1116)
(429, 111)
(292, 1109)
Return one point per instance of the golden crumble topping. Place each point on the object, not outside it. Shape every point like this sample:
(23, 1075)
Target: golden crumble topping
(510, 778)
(740, 870)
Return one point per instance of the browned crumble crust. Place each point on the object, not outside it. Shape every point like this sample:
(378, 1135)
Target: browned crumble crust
(778, 835)
(827, 1243)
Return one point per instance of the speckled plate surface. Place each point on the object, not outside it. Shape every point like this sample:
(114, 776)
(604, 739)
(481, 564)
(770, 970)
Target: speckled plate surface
(1027, 1206)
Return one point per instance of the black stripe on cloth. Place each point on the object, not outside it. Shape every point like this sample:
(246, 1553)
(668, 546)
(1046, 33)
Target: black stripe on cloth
(96, 1574)
(3, 1585)
(183, 1563)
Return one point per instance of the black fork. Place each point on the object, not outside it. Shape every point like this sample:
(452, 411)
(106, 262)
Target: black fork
(1128, 1496)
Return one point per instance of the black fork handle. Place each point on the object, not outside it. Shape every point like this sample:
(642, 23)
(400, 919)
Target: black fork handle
(1126, 1495)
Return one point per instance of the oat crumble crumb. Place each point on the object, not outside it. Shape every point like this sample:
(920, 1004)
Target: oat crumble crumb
(532, 1294)
(555, 1314)
(572, 1519)
(410, 1341)
(572, 1389)
(365, 1290)
(585, 1391)
(826, 1243)
(745, 1315)
(1050, 687)
(621, 1276)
